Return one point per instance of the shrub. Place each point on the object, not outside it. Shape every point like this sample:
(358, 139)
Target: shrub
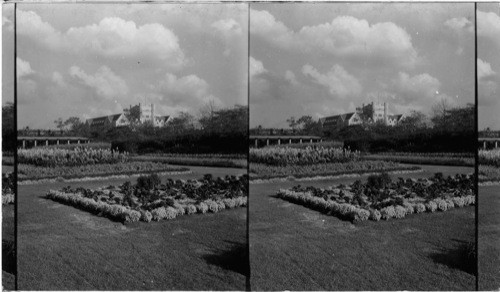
(190, 209)
(431, 206)
(148, 182)
(449, 204)
(132, 216)
(230, 203)
(179, 209)
(419, 208)
(212, 206)
(399, 212)
(159, 213)
(441, 204)
(360, 215)
(171, 213)
(458, 202)
(202, 208)
(375, 215)
(387, 212)
(469, 200)
(409, 208)
(146, 216)
(221, 205)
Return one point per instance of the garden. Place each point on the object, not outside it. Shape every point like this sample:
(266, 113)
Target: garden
(382, 198)
(83, 162)
(489, 166)
(151, 200)
(8, 188)
(283, 162)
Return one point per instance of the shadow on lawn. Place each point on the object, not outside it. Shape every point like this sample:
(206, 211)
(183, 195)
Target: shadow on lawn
(462, 257)
(8, 256)
(234, 259)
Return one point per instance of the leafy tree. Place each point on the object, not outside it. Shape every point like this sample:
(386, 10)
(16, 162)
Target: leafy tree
(292, 123)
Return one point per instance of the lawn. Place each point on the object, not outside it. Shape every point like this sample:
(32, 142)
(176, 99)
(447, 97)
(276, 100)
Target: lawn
(489, 238)
(295, 248)
(8, 247)
(63, 248)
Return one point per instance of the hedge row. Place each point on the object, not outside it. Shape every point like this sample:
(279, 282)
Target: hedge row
(420, 142)
(125, 214)
(355, 214)
(189, 144)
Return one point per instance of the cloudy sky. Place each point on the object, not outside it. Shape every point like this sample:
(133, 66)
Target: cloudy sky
(488, 66)
(89, 60)
(326, 59)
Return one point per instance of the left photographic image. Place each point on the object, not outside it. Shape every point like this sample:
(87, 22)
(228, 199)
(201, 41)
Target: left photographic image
(8, 150)
(132, 142)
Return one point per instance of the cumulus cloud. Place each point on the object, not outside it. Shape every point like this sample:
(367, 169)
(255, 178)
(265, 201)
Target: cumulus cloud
(58, 79)
(344, 36)
(7, 23)
(422, 87)
(228, 27)
(484, 69)
(459, 24)
(290, 76)
(111, 37)
(338, 81)
(105, 82)
(23, 68)
(189, 90)
(488, 26)
(256, 67)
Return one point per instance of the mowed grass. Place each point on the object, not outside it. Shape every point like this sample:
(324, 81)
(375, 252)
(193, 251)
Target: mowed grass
(295, 248)
(489, 237)
(63, 248)
(8, 248)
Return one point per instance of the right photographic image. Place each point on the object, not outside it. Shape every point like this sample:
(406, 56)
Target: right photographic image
(488, 104)
(363, 144)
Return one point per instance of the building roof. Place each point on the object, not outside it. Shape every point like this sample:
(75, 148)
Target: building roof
(336, 118)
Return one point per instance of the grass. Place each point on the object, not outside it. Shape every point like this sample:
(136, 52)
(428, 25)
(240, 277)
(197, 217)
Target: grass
(431, 160)
(8, 248)
(489, 237)
(294, 248)
(195, 161)
(62, 248)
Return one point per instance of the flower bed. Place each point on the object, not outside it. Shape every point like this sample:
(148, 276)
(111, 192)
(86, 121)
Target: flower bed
(488, 173)
(195, 161)
(30, 172)
(489, 157)
(380, 198)
(149, 199)
(262, 171)
(420, 158)
(56, 157)
(8, 189)
(285, 156)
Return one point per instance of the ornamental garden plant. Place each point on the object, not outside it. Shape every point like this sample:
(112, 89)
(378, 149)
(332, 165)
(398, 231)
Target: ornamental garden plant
(381, 198)
(8, 188)
(151, 200)
(283, 162)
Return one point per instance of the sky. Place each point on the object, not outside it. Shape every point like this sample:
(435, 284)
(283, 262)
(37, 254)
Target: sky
(90, 60)
(488, 66)
(327, 59)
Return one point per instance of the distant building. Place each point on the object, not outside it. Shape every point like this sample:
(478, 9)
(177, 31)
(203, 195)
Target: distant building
(146, 114)
(370, 113)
